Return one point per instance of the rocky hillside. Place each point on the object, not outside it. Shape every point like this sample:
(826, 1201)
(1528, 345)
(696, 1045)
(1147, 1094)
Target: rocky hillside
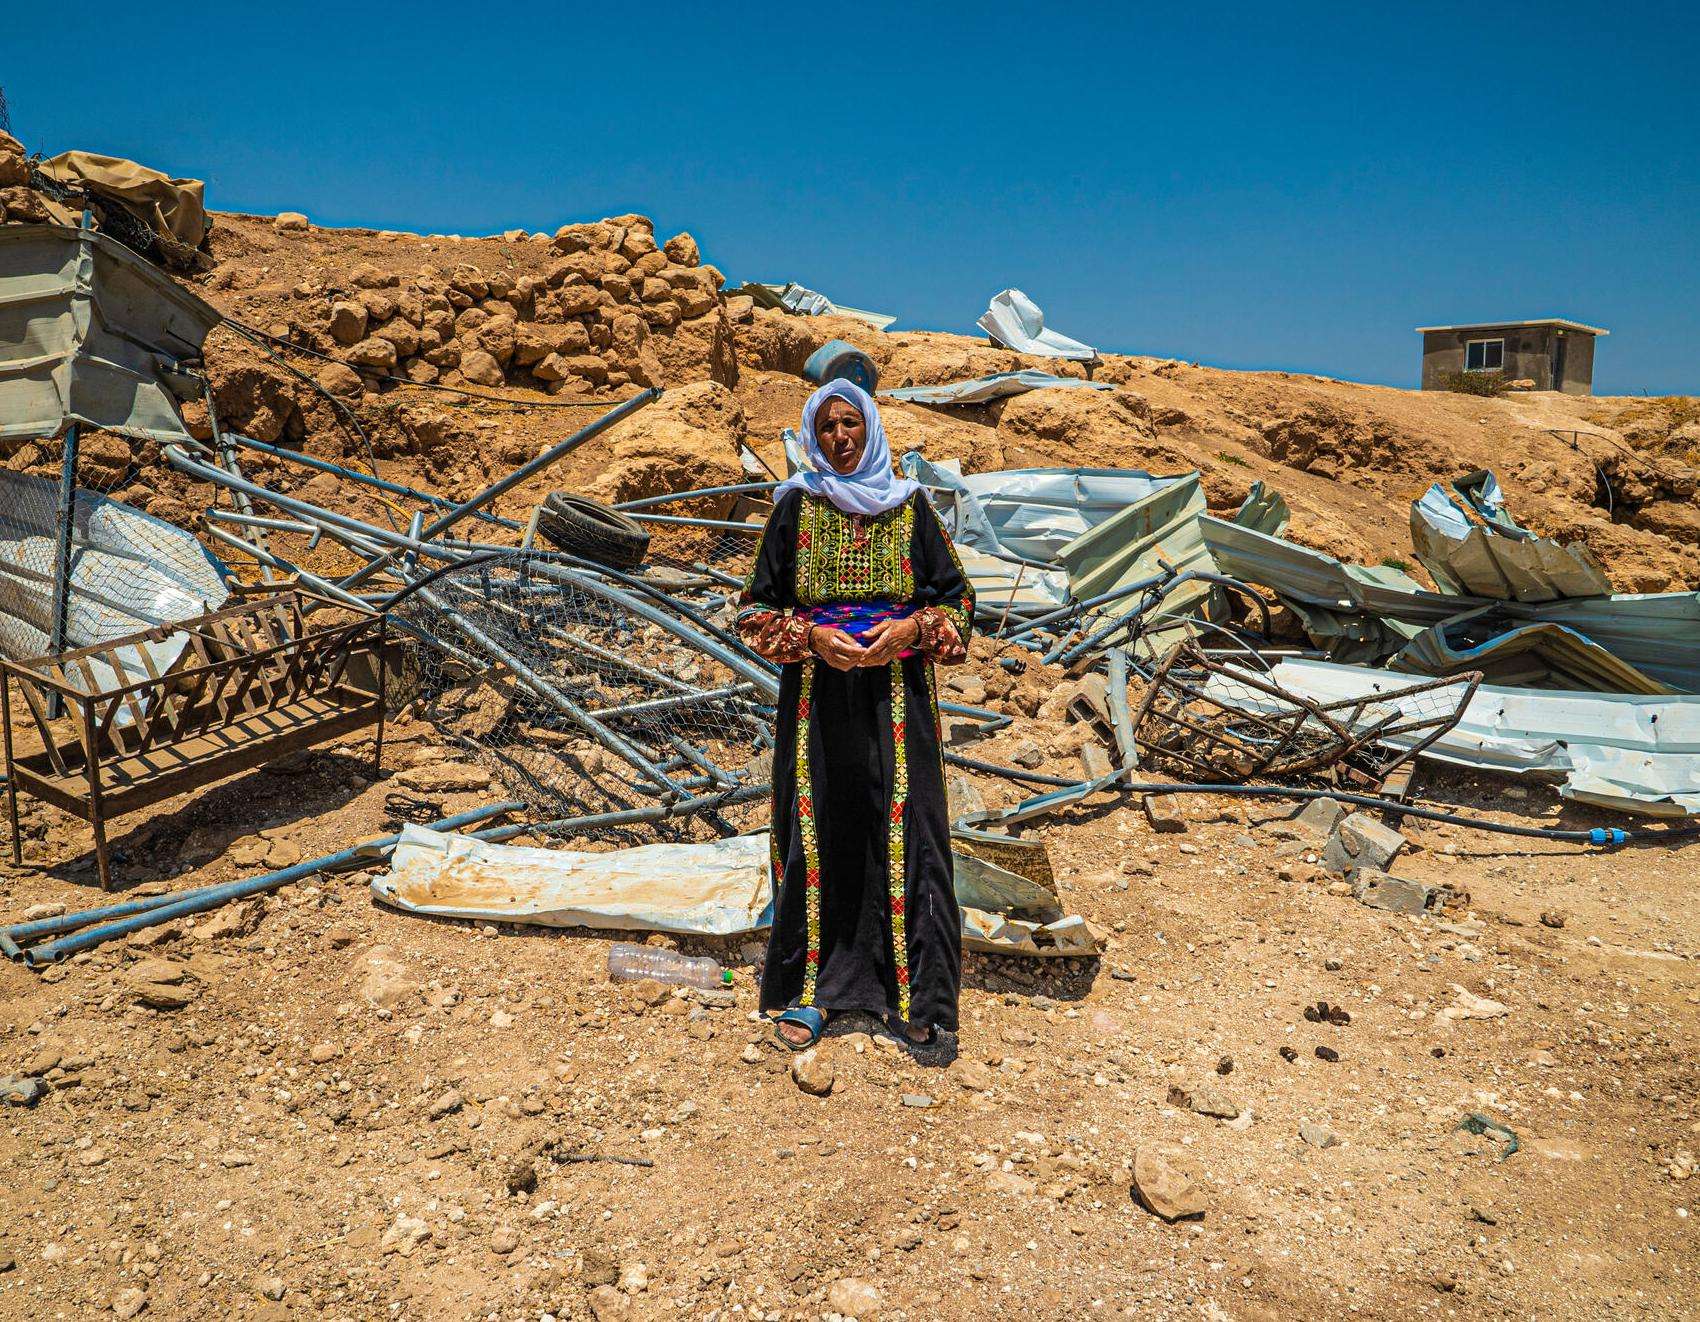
(600, 308)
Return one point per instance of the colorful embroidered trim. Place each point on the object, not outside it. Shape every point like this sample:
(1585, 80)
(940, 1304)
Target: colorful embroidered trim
(806, 828)
(894, 840)
(845, 557)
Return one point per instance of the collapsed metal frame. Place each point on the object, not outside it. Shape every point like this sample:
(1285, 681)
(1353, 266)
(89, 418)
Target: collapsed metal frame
(397, 564)
(1195, 718)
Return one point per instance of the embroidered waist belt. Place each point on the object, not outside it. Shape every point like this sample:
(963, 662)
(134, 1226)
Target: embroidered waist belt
(857, 617)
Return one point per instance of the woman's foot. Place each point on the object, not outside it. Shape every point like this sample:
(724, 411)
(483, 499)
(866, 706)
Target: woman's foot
(916, 1035)
(796, 1035)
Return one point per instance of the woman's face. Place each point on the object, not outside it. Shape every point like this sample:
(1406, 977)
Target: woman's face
(842, 434)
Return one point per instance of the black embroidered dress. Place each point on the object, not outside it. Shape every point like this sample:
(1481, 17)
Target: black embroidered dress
(866, 915)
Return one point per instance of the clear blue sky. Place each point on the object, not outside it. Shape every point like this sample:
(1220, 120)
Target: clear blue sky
(1257, 185)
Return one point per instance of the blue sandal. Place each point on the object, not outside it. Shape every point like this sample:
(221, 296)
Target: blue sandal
(805, 1016)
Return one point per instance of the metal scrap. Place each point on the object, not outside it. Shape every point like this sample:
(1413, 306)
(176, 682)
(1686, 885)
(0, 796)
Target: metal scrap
(1207, 721)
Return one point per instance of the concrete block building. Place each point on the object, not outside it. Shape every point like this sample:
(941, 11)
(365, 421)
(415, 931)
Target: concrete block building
(1553, 353)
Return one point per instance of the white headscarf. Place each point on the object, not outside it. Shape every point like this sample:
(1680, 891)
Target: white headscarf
(873, 488)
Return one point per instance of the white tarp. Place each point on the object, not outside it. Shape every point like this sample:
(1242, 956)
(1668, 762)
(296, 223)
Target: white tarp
(1015, 321)
(129, 572)
(719, 889)
(1632, 752)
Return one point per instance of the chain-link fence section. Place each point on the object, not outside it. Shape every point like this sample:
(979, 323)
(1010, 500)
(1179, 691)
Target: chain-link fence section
(584, 696)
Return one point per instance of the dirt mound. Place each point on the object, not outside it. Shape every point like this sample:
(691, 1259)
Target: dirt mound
(600, 308)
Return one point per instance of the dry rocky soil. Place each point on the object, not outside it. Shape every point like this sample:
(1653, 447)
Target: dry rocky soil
(311, 1106)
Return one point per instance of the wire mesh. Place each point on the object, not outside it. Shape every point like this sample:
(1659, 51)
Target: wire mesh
(545, 676)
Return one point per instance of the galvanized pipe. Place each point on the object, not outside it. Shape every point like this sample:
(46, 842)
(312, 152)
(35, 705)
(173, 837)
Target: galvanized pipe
(631, 816)
(133, 915)
(365, 479)
(1121, 720)
(741, 488)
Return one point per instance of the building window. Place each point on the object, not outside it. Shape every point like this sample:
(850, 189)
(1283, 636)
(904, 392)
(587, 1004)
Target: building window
(1484, 355)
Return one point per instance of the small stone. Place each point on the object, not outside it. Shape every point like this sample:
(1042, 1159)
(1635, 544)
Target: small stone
(852, 1297)
(607, 1304)
(1552, 918)
(634, 1277)
(1225, 1065)
(1319, 818)
(813, 1072)
(504, 1240)
(269, 1287)
(128, 1303)
(651, 992)
(290, 222)
(917, 1099)
(970, 1074)
(751, 1054)
(1165, 813)
(1163, 1188)
(1382, 890)
(1318, 1136)
(1028, 754)
(1360, 841)
(1332, 965)
(161, 971)
(324, 1052)
(1328, 1053)
(1211, 1103)
(36, 912)
(1288, 1054)
(92, 1156)
(22, 1090)
(446, 1104)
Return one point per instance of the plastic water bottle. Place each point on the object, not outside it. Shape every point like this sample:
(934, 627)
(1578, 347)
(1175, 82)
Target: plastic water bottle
(628, 963)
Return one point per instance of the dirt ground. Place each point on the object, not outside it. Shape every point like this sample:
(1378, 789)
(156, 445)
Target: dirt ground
(343, 1111)
(346, 1116)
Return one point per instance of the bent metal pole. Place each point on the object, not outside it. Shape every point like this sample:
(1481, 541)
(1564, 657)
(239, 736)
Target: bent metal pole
(513, 479)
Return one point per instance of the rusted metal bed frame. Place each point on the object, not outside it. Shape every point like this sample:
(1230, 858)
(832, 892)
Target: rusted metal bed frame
(253, 682)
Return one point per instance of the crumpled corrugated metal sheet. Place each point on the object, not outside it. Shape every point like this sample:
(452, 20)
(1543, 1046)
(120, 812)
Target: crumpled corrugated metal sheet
(88, 333)
(1015, 321)
(1631, 752)
(720, 888)
(807, 302)
(1471, 545)
(984, 388)
(1542, 656)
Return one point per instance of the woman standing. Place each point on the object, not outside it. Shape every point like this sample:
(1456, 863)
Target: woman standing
(857, 592)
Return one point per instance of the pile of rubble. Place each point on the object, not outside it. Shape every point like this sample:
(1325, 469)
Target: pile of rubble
(614, 308)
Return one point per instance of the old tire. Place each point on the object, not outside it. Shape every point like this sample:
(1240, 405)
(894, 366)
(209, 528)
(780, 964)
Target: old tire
(593, 530)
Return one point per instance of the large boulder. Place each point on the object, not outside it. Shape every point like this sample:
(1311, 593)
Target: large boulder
(688, 438)
(1103, 428)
